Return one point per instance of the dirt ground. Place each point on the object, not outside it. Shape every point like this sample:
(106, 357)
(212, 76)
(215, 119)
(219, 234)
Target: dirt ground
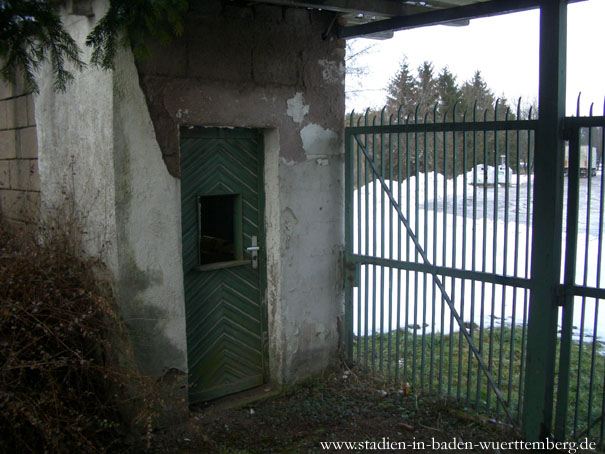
(341, 407)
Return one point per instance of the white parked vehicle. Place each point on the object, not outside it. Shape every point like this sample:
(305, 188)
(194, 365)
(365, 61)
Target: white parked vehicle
(585, 167)
(489, 179)
(481, 177)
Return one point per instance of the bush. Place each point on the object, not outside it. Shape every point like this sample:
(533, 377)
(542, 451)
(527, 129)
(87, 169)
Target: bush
(66, 375)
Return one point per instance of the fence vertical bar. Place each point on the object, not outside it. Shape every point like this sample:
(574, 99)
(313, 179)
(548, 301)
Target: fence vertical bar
(389, 328)
(382, 246)
(367, 250)
(399, 298)
(374, 241)
(505, 255)
(359, 246)
(492, 317)
(596, 301)
(464, 245)
(434, 287)
(547, 219)
(474, 255)
(530, 160)
(407, 244)
(350, 274)
(599, 261)
(424, 277)
(516, 257)
(444, 255)
(415, 327)
(453, 280)
(483, 255)
(585, 283)
(602, 425)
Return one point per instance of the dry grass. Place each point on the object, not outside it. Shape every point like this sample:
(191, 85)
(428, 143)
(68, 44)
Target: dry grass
(66, 371)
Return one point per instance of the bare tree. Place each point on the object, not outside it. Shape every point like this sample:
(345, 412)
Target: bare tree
(355, 68)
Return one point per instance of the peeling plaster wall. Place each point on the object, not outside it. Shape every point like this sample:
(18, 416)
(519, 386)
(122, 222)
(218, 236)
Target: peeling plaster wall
(267, 67)
(98, 155)
(111, 144)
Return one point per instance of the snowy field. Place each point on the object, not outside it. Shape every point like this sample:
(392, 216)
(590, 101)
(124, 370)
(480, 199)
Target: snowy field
(500, 241)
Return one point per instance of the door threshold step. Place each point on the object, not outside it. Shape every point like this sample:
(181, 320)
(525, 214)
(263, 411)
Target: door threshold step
(239, 400)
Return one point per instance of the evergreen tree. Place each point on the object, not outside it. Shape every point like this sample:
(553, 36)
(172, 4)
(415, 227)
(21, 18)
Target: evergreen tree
(401, 91)
(476, 90)
(426, 91)
(449, 93)
(435, 151)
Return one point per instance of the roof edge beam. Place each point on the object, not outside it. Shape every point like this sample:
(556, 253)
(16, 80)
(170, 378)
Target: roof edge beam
(368, 7)
(442, 16)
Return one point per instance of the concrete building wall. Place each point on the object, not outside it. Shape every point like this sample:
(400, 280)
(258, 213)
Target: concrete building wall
(19, 178)
(98, 152)
(75, 138)
(268, 68)
(112, 141)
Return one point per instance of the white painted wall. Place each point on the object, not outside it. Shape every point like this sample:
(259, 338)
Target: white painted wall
(311, 236)
(148, 214)
(75, 149)
(97, 147)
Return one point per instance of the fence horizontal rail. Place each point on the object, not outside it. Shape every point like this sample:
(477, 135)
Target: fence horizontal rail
(580, 290)
(457, 273)
(584, 122)
(500, 125)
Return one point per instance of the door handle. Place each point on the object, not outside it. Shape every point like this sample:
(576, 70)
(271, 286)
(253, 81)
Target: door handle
(253, 251)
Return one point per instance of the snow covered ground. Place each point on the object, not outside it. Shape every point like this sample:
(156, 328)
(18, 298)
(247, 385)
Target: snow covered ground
(490, 235)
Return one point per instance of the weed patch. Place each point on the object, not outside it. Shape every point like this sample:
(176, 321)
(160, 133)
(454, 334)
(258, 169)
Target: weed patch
(66, 373)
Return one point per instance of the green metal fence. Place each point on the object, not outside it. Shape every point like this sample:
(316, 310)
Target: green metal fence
(438, 241)
(581, 370)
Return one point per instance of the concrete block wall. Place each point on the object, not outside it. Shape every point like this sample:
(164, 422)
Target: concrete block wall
(19, 178)
(268, 68)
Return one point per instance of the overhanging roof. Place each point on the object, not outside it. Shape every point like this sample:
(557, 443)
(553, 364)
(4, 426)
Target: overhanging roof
(379, 18)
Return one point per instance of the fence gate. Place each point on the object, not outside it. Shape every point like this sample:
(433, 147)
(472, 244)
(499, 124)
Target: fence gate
(438, 240)
(580, 393)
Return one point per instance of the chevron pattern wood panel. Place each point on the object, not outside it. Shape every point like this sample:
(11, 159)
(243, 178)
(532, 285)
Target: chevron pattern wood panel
(224, 322)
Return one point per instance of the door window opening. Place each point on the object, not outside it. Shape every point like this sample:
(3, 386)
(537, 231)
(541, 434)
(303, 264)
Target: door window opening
(219, 228)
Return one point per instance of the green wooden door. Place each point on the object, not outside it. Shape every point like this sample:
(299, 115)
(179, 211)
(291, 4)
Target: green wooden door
(222, 217)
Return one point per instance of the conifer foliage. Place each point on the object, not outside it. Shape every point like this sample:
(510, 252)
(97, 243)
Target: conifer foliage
(425, 90)
(130, 22)
(31, 32)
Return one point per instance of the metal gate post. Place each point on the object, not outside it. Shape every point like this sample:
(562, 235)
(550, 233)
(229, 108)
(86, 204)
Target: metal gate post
(547, 223)
(571, 247)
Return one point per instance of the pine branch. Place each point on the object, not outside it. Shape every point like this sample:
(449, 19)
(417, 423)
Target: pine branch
(129, 22)
(31, 32)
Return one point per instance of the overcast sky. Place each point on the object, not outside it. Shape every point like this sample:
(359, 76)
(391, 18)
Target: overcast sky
(503, 48)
